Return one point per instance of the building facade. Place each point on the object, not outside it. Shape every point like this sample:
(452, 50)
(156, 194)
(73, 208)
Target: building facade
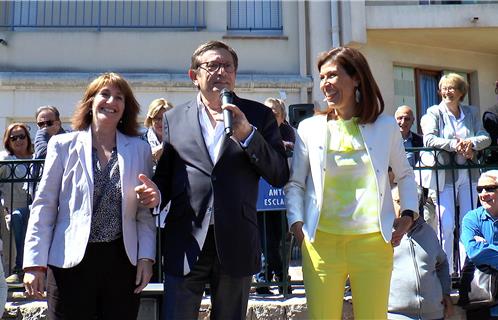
(49, 50)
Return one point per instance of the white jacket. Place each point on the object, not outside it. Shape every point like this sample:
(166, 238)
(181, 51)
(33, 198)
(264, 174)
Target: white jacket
(304, 191)
(60, 221)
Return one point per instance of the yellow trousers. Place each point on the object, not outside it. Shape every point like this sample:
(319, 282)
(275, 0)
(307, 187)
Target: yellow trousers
(327, 262)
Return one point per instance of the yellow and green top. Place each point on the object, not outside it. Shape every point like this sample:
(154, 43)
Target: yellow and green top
(350, 202)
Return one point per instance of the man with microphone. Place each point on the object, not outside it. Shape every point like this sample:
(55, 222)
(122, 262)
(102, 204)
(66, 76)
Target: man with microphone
(216, 148)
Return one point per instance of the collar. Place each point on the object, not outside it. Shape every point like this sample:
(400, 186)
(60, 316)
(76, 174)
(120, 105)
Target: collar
(448, 112)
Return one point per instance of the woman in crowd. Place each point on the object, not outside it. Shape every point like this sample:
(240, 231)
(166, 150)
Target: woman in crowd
(338, 198)
(90, 230)
(457, 129)
(18, 146)
(286, 131)
(154, 123)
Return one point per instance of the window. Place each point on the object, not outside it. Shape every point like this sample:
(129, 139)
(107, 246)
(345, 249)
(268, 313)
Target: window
(260, 16)
(97, 14)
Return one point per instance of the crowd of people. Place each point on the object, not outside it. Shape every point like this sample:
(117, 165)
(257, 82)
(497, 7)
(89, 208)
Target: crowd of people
(353, 202)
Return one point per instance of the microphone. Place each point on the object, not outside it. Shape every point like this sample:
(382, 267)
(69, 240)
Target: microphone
(226, 97)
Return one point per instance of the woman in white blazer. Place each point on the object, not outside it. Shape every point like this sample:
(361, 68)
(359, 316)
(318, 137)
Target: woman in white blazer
(457, 130)
(338, 197)
(90, 231)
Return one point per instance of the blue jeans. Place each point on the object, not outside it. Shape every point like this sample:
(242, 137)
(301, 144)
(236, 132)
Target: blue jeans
(19, 224)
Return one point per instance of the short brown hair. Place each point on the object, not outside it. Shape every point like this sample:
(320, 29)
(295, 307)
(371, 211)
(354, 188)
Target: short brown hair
(212, 45)
(154, 108)
(7, 133)
(371, 103)
(128, 124)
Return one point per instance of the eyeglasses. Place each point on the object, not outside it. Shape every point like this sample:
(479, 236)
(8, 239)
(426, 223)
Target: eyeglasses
(212, 67)
(157, 119)
(491, 188)
(43, 124)
(19, 136)
(448, 89)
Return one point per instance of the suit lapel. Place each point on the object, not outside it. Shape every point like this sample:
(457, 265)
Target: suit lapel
(192, 115)
(85, 152)
(122, 144)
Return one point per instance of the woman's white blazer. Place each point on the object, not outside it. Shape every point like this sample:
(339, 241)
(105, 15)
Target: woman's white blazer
(61, 214)
(304, 191)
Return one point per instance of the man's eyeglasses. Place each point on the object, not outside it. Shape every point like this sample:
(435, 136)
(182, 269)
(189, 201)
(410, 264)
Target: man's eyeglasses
(212, 67)
(19, 136)
(43, 124)
(491, 188)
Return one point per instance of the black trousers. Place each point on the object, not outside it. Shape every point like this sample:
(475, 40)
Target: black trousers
(229, 294)
(99, 287)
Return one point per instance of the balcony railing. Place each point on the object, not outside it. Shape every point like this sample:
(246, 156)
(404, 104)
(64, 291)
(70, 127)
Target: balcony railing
(100, 14)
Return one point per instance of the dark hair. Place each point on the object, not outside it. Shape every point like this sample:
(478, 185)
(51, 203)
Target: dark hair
(49, 108)
(128, 124)
(212, 45)
(7, 133)
(371, 103)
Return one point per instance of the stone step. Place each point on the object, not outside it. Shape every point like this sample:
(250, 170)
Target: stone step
(270, 307)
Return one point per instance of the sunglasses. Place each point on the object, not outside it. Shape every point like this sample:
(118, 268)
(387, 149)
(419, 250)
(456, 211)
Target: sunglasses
(43, 124)
(19, 136)
(491, 188)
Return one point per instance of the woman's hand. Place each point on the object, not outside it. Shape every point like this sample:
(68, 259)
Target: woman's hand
(144, 273)
(464, 147)
(147, 192)
(297, 231)
(34, 282)
(448, 306)
(401, 226)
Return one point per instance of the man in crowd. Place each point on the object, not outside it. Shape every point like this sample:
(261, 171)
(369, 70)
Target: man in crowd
(49, 124)
(211, 178)
(404, 118)
(479, 234)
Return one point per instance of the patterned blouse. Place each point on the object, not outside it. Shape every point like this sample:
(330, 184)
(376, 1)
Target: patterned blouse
(106, 216)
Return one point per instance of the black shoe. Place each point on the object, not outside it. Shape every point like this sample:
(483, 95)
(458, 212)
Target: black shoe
(281, 288)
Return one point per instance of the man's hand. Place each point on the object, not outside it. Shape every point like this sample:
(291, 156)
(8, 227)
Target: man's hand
(147, 192)
(401, 226)
(297, 231)
(240, 126)
(144, 273)
(34, 283)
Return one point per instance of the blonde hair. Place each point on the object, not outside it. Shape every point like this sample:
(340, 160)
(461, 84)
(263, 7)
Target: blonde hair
(154, 108)
(456, 81)
(276, 104)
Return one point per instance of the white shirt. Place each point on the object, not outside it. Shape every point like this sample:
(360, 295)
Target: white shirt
(212, 136)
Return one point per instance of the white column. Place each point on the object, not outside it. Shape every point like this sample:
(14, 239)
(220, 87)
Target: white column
(320, 40)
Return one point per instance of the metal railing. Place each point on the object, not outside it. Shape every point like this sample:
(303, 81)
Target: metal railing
(430, 159)
(102, 14)
(255, 16)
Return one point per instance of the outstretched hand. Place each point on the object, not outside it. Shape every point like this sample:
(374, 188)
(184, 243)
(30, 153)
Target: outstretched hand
(147, 192)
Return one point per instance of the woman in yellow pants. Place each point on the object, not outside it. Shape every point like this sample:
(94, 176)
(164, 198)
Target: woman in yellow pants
(338, 198)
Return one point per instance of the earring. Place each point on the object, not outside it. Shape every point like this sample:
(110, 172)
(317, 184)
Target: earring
(90, 113)
(120, 121)
(357, 95)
